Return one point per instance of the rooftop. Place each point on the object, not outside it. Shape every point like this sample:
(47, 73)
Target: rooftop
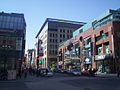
(12, 14)
(89, 24)
(59, 20)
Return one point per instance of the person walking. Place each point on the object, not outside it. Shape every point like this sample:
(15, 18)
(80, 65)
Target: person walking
(19, 73)
(118, 73)
(25, 72)
(46, 71)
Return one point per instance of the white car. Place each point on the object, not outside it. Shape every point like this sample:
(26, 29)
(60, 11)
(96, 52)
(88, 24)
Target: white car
(77, 73)
(49, 74)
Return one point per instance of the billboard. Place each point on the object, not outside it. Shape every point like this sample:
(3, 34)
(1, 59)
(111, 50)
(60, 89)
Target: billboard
(40, 48)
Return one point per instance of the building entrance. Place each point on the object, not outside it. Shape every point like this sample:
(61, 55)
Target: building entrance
(104, 66)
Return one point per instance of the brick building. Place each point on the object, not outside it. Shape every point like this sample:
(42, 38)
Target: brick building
(99, 43)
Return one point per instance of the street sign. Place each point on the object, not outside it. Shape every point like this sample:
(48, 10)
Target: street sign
(41, 51)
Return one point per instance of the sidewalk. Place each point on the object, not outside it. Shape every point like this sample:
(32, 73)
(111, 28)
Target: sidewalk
(30, 78)
(107, 75)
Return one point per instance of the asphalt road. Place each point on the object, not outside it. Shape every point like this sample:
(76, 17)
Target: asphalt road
(62, 82)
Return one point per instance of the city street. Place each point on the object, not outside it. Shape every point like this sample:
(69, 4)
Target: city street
(62, 82)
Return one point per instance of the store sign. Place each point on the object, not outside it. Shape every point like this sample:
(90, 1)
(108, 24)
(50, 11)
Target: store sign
(60, 63)
(67, 62)
(87, 60)
(40, 49)
(100, 57)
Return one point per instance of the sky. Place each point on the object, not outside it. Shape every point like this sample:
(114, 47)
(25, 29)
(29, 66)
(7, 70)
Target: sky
(36, 12)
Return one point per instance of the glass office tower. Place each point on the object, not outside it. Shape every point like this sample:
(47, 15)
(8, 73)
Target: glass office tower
(12, 40)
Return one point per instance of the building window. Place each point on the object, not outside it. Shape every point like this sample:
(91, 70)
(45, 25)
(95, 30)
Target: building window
(50, 40)
(60, 40)
(102, 36)
(68, 36)
(60, 30)
(56, 35)
(81, 30)
(56, 52)
(63, 30)
(87, 41)
(60, 35)
(53, 40)
(52, 51)
(63, 35)
(4, 41)
(53, 34)
(56, 40)
(50, 34)
(67, 31)
(99, 50)
(56, 46)
(71, 31)
(107, 48)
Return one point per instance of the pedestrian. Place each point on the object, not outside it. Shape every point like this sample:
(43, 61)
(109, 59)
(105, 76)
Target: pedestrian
(118, 73)
(91, 72)
(37, 73)
(25, 72)
(19, 73)
(46, 71)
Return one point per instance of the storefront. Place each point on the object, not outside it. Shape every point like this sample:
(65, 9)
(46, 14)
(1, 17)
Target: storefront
(68, 65)
(104, 63)
(60, 64)
(87, 61)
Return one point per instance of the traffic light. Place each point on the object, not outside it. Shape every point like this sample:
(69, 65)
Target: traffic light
(39, 60)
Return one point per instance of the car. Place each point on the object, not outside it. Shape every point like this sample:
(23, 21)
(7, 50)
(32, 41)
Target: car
(85, 73)
(89, 72)
(58, 70)
(46, 72)
(49, 74)
(74, 72)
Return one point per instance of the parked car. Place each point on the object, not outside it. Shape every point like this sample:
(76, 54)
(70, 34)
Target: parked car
(50, 73)
(74, 72)
(58, 70)
(46, 72)
(89, 72)
(85, 72)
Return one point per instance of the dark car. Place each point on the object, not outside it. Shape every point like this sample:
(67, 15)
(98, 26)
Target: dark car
(46, 72)
(89, 72)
